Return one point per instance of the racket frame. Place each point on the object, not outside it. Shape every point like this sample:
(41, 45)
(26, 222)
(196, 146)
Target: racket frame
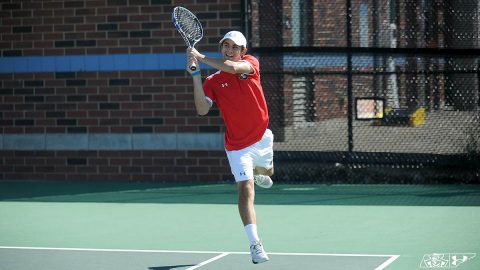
(189, 42)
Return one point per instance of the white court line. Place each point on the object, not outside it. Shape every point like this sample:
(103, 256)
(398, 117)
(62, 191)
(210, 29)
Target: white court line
(208, 261)
(196, 252)
(387, 262)
(222, 254)
(322, 254)
(110, 250)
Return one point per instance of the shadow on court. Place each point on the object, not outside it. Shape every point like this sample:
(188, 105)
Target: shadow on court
(171, 267)
(280, 194)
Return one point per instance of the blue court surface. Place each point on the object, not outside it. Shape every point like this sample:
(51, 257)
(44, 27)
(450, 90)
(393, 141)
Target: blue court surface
(184, 227)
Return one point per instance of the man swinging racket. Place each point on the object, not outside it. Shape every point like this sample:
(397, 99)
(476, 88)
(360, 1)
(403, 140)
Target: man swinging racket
(236, 89)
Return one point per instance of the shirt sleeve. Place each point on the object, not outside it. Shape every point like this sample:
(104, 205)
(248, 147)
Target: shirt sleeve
(254, 63)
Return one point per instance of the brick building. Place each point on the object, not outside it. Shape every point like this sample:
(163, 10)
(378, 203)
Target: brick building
(96, 90)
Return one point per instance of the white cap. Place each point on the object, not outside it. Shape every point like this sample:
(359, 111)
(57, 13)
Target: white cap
(236, 37)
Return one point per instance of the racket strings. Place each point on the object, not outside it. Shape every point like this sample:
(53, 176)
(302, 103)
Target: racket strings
(189, 24)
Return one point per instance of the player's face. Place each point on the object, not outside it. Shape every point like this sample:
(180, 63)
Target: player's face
(231, 51)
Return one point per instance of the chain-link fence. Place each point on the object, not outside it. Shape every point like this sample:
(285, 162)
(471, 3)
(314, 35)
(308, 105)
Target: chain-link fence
(363, 83)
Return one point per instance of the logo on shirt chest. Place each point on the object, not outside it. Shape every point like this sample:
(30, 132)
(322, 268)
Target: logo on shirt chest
(224, 85)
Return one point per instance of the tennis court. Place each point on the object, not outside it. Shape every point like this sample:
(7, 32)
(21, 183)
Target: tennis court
(52, 225)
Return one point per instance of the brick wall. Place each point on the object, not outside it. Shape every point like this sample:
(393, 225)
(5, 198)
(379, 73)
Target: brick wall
(100, 165)
(74, 69)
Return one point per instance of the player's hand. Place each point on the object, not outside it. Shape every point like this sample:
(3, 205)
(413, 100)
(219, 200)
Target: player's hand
(191, 60)
(193, 52)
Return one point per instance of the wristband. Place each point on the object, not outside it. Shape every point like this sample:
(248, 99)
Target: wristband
(195, 73)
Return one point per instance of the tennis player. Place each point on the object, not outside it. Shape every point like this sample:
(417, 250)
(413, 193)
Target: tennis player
(236, 89)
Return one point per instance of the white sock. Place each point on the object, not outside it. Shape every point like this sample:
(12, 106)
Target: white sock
(252, 233)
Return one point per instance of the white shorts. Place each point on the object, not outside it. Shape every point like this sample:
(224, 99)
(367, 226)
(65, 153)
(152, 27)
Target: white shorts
(243, 161)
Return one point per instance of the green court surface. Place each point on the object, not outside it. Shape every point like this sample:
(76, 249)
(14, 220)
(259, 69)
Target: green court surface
(48, 225)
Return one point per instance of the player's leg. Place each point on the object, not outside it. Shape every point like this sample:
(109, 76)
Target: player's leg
(246, 198)
(263, 171)
(263, 160)
(241, 164)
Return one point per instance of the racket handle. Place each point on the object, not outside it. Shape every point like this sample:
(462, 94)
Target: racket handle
(193, 67)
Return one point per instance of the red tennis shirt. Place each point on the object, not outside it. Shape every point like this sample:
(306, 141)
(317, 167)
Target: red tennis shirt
(242, 104)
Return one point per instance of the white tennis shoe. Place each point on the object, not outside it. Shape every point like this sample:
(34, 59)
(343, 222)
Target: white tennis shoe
(263, 181)
(258, 254)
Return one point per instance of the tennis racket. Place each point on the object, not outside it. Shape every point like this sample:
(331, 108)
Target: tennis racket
(189, 28)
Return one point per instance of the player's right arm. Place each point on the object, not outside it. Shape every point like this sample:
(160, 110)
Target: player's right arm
(202, 103)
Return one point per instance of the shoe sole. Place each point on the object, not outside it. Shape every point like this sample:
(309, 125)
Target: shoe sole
(254, 262)
(262, 186)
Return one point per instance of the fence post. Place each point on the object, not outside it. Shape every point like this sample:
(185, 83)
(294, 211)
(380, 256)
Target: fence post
(349, 76)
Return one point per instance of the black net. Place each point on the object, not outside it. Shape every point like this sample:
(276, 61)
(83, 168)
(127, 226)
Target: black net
(370, 83)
